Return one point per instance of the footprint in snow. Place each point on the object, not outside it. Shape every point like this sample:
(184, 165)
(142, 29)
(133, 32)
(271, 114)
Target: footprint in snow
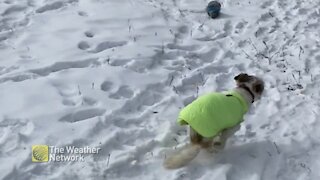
(83, 45)
(108, 45)
(49, 7)
(122, 92)
(89, 34)
(13, 9)
(106, 86)
(82, 115)
(83, 14)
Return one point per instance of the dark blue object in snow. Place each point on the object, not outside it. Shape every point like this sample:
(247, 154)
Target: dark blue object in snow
(213, 9)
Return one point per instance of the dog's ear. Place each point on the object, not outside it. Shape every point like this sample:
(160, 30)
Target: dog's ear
(243, 77)
(258, 88)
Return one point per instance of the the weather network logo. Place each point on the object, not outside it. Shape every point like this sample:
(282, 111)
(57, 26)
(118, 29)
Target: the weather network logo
(70, 153)
(40, 153)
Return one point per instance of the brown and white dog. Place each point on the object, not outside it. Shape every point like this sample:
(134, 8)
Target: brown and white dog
(250, 88)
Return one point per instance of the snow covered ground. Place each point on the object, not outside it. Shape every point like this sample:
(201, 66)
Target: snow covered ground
(114, 73)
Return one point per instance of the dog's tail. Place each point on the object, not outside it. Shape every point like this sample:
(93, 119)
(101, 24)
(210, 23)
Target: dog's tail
(182, 157)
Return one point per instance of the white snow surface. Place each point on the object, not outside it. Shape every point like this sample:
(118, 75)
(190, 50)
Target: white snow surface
(115, 73)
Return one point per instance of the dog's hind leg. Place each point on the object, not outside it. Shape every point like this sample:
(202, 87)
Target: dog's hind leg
(220, 141)
(187, 153)
(196, 138)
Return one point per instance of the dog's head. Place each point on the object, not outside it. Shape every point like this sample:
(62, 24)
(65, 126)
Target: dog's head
(253, 83)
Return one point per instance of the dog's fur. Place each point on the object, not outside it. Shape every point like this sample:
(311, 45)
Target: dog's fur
(251, 88)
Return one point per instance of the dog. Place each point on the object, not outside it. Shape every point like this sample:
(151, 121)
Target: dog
(214, 117)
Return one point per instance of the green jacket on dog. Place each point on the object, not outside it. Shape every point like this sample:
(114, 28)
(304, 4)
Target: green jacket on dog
(212, 113)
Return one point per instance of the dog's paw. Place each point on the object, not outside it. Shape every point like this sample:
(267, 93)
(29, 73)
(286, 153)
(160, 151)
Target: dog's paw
(212, 150)
(216, 147)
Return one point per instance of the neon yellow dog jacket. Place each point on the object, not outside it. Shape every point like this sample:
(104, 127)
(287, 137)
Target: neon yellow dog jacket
(212, 113)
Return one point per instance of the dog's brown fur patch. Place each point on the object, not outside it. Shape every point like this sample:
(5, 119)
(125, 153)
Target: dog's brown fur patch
(258, 87)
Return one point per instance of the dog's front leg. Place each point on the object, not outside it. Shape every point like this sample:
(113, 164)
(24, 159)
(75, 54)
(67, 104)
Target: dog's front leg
(220, 141)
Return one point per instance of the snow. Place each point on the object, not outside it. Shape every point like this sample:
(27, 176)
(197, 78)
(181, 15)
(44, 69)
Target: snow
(114, 75)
